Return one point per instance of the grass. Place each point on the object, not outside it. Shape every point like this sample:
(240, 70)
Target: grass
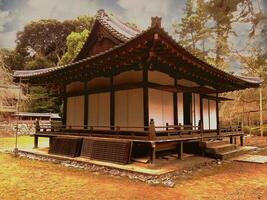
(255, 130)
(24, 142)
(21, 178)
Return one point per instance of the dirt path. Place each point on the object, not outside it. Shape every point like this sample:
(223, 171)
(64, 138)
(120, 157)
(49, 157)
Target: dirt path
(26, 179)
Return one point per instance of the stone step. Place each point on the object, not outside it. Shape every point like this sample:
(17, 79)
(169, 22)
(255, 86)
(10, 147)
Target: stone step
(233, 153)
(220, 148)
(212, 143)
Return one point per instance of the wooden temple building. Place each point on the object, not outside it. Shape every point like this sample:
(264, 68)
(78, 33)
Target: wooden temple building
(131, 93)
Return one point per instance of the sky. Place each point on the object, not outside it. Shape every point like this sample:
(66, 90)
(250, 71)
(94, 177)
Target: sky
(14, 14)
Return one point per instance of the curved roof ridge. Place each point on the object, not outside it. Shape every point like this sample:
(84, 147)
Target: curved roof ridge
(116, 26)
(251, 79)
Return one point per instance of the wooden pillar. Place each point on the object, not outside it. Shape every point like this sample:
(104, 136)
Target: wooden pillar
(152, 130)
(50, 141)
(242, 140)
(35, 142)
(231, 139)
(145, 95)
(180, 150)
(175, 107)
(217, 114)
(64, 117)
(112, 104)
(201, 115)
(152, 153)
(85, 121)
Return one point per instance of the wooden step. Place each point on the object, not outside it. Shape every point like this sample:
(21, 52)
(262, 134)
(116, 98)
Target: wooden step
(229, 154)
(220, 148)
(212, 143)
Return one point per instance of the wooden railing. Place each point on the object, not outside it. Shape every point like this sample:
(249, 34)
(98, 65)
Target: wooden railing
(150, 132)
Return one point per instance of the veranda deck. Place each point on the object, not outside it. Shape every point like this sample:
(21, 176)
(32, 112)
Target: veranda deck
(164, 138)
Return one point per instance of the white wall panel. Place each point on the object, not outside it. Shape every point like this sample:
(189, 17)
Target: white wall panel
(121, 108)
(99, 82)
(195, 108)
(75, 111)
(76, 86)
(129, 110)
(93, 110)
(180, 106)
(155, 106)
(167, 108)
(213, 115)
(205, 114)
(161, 107)
(160, 77)
(135, 108)
(128, 77)
(99, 109)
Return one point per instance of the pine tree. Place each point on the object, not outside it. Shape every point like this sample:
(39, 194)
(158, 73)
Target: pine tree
(192, 30)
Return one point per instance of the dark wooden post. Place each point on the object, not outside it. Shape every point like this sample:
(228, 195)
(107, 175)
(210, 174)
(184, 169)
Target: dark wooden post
(112, 104)
(50, 141)
(85, 122)
(145, 95)
(217, 114)
(242, 140)
(37, 126)
(153, 153)
(201, 112)
(152, 130)
(180, 150)
(231, 139)
(64, 117)
(175, 107)
(35, 142)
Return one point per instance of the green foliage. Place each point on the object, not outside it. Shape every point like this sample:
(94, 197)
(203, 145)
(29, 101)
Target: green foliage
(255, 130)
(193, 30)
(75, 42)
(48, 37)
(12, 59)
(38, 62)
(41, 45)
(213, 20)
(40, 100)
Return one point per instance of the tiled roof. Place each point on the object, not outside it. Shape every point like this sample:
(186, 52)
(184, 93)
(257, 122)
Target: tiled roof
(28, 114)
(119, 29)
(250, 79)
(127, 33)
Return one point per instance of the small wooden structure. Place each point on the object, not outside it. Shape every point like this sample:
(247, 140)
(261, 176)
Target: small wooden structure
(136, 91)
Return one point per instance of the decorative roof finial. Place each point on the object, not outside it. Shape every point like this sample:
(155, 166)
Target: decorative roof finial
(100, 12)
(156, 21)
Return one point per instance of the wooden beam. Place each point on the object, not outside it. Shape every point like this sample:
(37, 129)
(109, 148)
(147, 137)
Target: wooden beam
(201, 112)
(145, 95)
(35, 142)
(112, 104)
(85, 111)
(180, 150)
(217, 115)
(175, 107)
(64, 117)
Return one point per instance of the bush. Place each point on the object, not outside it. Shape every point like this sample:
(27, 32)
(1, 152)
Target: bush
(255, 130)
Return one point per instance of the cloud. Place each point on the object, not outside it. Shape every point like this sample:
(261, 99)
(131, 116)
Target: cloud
(140, 11)
(5, 18)
(14, 14)
(61, 9)
(7, 39)
(17, 15)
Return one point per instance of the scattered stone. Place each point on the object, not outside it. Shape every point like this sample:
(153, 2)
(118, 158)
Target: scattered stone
(169, 183)
(153, 182)
(167, 180)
